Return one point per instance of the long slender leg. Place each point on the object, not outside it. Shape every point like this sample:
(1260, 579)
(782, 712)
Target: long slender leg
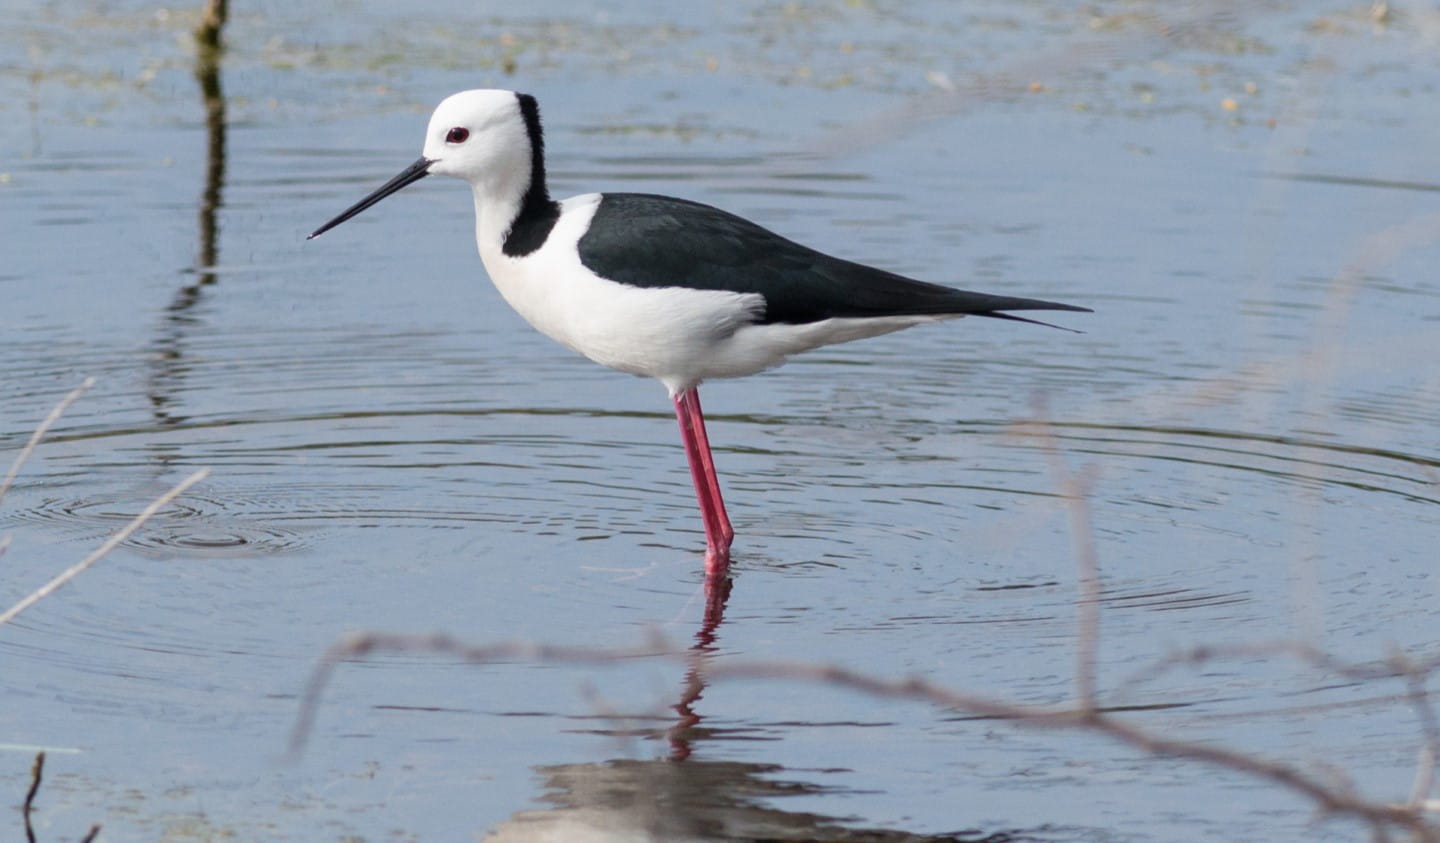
(718, 532)
(697, 468)
(717, 500)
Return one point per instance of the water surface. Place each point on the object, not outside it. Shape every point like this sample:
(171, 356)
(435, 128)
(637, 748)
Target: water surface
(1247, 202)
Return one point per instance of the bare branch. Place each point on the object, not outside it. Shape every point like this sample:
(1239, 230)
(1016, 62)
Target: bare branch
(1391, 668)
(1075, 490)
(362, 644)
(1330, 799)
(99, 552)
(1429, 729)
(40, 433)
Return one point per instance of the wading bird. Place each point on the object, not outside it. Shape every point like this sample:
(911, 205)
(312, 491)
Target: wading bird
(658, 286)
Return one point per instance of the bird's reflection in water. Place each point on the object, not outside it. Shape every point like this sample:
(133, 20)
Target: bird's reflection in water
(671, 801)
(685, 799)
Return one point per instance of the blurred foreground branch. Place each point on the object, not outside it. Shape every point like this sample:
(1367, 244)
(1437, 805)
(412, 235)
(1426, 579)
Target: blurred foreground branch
(40, 432)
(1329, 799)
(113, 542)
(1331, 795)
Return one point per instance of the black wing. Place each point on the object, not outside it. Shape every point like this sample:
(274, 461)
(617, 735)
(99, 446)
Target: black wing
(659, 241)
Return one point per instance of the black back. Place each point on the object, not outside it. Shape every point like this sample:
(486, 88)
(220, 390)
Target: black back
(659, 241)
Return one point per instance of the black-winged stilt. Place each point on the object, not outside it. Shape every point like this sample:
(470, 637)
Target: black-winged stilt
(658, 286)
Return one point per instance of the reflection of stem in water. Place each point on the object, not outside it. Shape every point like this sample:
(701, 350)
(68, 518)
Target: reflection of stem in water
(209, 49)
(207, 73)
(212, 20)
(36, 75)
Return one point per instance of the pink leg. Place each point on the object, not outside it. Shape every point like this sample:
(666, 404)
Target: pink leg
(718, 532)
(726, 531)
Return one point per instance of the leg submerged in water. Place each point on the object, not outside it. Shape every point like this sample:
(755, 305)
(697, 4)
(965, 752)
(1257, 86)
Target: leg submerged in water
(718, 532)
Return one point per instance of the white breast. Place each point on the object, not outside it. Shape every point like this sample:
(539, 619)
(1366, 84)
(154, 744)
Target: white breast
(670, 333)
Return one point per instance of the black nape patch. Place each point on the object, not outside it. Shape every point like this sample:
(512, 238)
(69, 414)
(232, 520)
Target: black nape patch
(530, 230)
(538, 212)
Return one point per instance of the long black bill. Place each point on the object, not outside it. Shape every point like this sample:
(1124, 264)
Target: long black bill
(411, 174)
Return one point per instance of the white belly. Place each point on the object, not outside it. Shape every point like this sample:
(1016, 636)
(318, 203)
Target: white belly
(679, 335)
(661, 332)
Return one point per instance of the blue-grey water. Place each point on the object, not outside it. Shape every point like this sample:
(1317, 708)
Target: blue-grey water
(1247, 195)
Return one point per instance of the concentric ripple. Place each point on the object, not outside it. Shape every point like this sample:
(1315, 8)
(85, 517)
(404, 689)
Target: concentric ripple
(194, 525)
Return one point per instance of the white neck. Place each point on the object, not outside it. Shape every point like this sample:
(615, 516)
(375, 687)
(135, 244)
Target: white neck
(495, 212)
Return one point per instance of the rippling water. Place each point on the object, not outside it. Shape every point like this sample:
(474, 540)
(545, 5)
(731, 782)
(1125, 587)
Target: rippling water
(1246, 202)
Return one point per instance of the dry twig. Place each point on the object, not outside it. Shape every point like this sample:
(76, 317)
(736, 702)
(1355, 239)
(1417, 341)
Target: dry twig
(1332, 795)
(95, 556)
(1397, 666)
(40, 433)
(1330, 799)
(1075, 490)
(1425, 757)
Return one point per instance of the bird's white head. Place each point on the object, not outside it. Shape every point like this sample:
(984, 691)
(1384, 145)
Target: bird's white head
(479, 136)
(490, 138)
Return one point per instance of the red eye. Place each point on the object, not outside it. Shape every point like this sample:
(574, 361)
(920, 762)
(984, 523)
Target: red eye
(457, 135)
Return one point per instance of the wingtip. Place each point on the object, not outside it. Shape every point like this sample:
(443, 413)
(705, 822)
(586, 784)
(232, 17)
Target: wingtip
(1055, 305)
(995, 314)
